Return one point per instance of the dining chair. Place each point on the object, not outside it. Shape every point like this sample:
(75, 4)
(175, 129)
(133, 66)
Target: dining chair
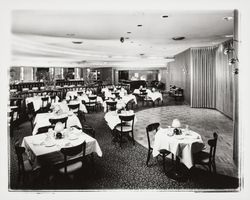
(76, 155)
(92, 103)
(44, 129)
(74, 107)
(88, 130)
(80, 93)
(14, 122)
(31, 113)
(151, 130)
(125, 127)
(207, 158)
(130, 104)
(45, 105)
(111, 105)
(53, 121)
(24, 165)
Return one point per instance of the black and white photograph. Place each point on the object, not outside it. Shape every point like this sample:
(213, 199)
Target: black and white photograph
(124, 99)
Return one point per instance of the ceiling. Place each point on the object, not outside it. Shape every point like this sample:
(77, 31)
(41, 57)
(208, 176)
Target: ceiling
(45, 38)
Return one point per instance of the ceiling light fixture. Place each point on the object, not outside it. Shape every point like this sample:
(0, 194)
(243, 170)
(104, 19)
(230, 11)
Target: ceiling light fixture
(164, 16)
(70, 34)
(228, 18)
(178, 38)
(128, 32)
(229, 36)
(139, 25)
(76, 42)
(127, 38)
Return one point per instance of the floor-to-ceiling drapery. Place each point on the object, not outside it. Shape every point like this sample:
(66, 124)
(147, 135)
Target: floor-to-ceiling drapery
(203, 82)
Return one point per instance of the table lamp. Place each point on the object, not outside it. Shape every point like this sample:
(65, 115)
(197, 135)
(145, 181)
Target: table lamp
(176, 124)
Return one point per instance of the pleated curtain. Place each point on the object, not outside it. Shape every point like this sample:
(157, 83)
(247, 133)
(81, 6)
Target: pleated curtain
(203, 77)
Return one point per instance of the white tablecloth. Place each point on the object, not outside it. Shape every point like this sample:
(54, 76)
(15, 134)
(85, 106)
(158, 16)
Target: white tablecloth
(41, 148)
(65, 108)
(121, 103)
(112, 118)
(86, 98)
(42, 119)
(183, 146)
(154, 95)
(37, 101)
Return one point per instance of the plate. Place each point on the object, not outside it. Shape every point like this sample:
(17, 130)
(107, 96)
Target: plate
(73, 137)
(179, 137)
(50, 144)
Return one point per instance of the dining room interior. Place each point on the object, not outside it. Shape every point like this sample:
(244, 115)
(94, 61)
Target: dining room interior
(124, 100)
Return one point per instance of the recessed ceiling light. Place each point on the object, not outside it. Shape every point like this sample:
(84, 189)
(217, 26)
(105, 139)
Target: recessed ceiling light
(164, 16)
(132, 42)
(76, 42)
(141, 54)
(178, 38)
(128, 32)
(229, 36)
(127, 38)
(228, 18)
(139, 25)
(70, 34)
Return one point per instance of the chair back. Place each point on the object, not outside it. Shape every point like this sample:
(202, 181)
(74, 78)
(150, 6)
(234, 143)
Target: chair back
(73, 151)
(151, 128)
(53, 98)
(53, 121)
(92, 98)
(74, 107)
(212, 143)
(127, 118)
(45, 101)
(88, 130)
(19, 152)
(44, 129)
(111, 105)
(30, 108)
(80, 93)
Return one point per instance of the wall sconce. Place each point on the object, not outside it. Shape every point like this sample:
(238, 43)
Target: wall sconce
(234, 60)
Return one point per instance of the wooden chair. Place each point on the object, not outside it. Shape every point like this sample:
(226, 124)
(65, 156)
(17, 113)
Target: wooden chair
(31, 113)
(207, 158)
(80, 93)
(76, 162)
(111, 105)
(44, 129)
(92, 103)
(53, 121)
(24, 166)
(88, 130)
(130, 104)
(126, 126)
(152, 129)
(74, 107)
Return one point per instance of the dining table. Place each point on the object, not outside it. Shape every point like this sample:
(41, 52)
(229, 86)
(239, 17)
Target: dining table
(182, 146)
(45, 148)
(42, 119)
(112, 117)
(37, 101)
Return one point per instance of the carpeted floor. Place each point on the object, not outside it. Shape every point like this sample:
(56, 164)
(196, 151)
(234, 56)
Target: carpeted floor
(124, 168)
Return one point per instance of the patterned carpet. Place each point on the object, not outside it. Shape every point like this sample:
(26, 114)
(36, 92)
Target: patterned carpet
(124, 168)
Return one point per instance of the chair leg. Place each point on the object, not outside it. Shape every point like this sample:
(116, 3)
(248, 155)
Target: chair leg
(163, 156)
(148, 158)
(133, 138)
(120, 139)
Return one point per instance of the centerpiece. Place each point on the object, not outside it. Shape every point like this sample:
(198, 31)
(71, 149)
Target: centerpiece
(59, 127)
(176, 124)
